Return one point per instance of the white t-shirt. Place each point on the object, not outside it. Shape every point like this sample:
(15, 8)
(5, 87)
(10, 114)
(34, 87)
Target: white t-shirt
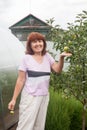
(37, 74)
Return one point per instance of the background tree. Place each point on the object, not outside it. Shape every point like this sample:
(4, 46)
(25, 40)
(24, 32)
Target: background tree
(74, 82)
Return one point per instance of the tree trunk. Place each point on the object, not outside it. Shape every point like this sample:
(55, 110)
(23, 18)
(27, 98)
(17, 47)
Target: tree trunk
(83, 119)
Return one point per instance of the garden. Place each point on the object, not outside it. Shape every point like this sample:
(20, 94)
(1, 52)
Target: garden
(67, 108)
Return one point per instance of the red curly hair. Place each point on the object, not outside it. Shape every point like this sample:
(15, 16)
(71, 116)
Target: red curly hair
(32, 37)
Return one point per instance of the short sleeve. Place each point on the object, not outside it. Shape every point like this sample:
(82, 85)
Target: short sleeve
(22, 65)
(50, 58)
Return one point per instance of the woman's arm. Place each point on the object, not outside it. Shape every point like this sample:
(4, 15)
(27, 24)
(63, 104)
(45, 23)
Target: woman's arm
(57, 67)
(18, 87)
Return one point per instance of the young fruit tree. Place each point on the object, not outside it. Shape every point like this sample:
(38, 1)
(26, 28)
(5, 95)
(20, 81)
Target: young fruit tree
(74, 40)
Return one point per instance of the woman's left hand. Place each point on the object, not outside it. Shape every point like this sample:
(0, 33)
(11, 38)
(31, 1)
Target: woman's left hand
(65, 54)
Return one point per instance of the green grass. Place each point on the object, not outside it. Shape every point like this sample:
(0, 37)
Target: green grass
(63, 113)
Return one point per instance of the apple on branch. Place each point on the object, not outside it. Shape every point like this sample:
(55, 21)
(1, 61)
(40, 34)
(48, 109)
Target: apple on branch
(66, 52)
(66, 49)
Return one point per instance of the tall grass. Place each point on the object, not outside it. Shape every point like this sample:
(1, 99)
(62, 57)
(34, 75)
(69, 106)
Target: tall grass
(63, 113)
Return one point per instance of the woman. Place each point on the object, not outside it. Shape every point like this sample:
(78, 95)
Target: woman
(33, 81)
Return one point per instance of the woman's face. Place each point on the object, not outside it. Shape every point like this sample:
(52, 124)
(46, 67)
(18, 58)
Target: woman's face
(37, 46)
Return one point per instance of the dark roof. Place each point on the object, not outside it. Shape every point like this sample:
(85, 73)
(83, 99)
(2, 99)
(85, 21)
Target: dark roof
(29, 21)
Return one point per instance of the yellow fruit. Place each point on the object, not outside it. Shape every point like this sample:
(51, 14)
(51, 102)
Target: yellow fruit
(69, 42)
(11, 112)
(74, 36)
(66, 49)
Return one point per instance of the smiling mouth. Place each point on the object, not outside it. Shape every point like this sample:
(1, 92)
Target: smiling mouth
(40, 46)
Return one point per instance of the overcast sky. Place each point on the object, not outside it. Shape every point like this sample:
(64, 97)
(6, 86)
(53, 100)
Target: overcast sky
(12, 11)
(63, 11)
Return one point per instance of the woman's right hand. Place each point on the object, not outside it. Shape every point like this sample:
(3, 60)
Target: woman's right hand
(11, 104)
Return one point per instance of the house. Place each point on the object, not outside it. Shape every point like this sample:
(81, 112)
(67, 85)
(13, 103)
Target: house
(29, 24)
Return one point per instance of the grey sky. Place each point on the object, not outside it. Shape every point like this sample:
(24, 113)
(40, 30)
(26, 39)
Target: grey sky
(63, 11)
